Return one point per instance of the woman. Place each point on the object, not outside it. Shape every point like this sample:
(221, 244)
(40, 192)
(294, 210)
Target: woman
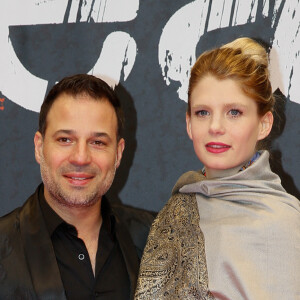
(229, 231)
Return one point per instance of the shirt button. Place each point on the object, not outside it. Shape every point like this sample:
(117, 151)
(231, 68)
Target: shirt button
(81, 256)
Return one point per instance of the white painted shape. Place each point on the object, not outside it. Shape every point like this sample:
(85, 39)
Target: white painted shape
(244, 9)
(226, 14)
(16, 83)
(109, 10)
(19, 85)
(27, 12)
(179, 39)
(220, 14)
(121, 10)
(96, 14)
(27, 90)
(253, 11)
(73, 11)
(266, 8)
(85, 10)
(129, 57)
(118, 47)
(284, 55)
(101, 10)
(276, 7)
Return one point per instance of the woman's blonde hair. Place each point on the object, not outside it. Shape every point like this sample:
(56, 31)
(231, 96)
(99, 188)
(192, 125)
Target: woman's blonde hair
(243, 60)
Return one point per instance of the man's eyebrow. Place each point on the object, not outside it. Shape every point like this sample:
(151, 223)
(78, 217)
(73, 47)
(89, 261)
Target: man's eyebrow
(64, 131)
(73, 132)
(100, 134)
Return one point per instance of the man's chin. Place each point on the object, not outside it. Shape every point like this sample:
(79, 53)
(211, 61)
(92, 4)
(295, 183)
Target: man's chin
(77, 203)
(76, 199)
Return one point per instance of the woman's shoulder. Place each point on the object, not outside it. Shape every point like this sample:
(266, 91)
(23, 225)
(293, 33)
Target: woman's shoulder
(187, 178)
(180, 209)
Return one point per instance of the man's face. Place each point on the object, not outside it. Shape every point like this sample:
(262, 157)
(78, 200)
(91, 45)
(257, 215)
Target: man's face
(79, 153)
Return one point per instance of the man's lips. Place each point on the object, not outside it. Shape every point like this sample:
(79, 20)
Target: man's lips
(78, 178)
(214, 147)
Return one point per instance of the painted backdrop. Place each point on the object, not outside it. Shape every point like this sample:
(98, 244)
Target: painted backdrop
(145, 50)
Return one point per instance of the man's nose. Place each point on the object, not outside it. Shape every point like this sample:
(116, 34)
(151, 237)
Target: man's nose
(80, 154)
(217, 125)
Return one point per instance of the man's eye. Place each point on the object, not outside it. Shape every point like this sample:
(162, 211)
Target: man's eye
(202, 113)
(64, 140)
(235, 112)
(98, 143)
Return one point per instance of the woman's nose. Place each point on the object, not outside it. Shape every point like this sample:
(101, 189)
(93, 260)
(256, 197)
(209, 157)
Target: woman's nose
(216, 125)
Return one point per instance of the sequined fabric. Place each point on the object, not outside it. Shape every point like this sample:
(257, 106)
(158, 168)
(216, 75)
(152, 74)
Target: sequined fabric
(173, 264)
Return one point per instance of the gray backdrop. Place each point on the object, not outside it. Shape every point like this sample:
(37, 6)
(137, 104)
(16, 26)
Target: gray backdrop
(145, 49)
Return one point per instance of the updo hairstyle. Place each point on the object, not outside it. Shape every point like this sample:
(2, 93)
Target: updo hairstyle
(243, 60)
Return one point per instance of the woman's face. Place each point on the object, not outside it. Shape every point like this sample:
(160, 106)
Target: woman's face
(224, 124)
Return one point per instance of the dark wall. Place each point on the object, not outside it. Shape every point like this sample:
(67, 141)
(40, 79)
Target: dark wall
(146, 51)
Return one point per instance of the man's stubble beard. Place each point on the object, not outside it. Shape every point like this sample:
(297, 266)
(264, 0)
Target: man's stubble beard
(75, 198)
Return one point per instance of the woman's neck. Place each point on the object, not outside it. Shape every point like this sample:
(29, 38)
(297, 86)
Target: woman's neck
(213, 173)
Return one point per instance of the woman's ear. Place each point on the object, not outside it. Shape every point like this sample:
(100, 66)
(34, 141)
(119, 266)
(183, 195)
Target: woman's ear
(266, 123)
(188, 125)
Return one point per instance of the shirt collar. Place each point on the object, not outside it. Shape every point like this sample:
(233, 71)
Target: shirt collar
(53, 220)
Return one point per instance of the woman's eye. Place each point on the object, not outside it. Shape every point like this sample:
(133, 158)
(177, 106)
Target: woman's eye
(202, 113)
(235, 112)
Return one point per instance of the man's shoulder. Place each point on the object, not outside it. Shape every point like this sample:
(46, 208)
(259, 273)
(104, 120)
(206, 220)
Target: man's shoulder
(10, 220)
(137, 221)
(129, 214)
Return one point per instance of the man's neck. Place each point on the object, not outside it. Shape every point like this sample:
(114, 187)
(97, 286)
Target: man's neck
(85, 218)
(87, 221)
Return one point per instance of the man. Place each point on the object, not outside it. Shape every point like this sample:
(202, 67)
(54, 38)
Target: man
(66, 242)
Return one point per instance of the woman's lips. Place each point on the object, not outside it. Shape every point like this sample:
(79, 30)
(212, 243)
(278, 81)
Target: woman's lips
(213, 147)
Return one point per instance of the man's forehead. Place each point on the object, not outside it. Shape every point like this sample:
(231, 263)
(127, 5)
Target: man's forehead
(81, 96)
(79, 99)
(67, 108)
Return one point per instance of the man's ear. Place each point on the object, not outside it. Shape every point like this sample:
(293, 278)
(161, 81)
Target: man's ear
(188, 126)
(266, 123)
(38, 146)
(120, 149)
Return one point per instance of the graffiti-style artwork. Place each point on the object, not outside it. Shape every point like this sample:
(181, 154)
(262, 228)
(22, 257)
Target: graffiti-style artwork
(93, 38)
(2, 103)
(145, 50)
(89, 37)
(211, 23)
(285, 52)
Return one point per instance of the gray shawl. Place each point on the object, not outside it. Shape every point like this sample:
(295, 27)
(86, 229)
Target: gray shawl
(251, 228)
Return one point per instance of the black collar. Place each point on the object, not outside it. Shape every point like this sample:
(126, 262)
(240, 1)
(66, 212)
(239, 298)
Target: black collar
(54, 221)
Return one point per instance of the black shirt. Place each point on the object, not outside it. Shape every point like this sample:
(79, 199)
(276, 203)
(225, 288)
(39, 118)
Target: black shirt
(111, 280)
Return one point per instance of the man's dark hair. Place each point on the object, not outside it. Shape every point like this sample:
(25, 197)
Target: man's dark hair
(81, 84)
